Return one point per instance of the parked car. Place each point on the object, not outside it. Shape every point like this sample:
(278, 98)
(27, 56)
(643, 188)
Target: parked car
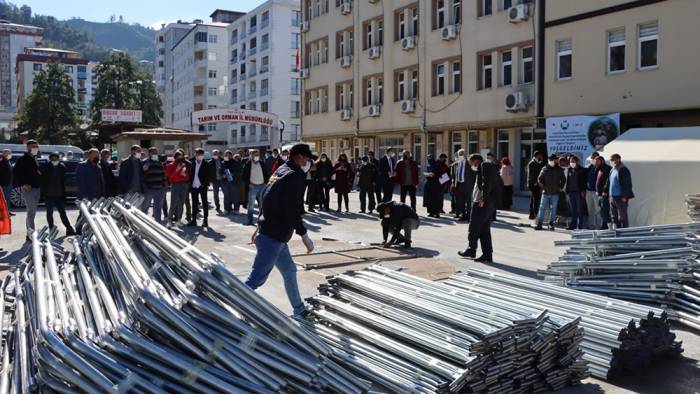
(16, 199)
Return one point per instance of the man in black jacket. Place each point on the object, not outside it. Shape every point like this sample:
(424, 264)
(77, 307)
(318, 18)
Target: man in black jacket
(367, 179)
(534, 167)
(484, 198)
(130, 172)
(395, 217)
(619, 189)
(53, 189)
(199, 187)
(602, 172)
(576, 191)
(26, 174)
(6, 176)
(377, 184)
(387, 174)
(281, 216)
(111, 181)
(551, 181)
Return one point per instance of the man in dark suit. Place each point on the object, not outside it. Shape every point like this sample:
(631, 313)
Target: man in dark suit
(484, 198)
(199, 186)
(377, 184)
(111, 182)
(130, 172)
(387, 174)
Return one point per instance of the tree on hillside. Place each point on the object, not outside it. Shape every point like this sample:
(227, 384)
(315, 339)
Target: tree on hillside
(121, 86)
(50, 110)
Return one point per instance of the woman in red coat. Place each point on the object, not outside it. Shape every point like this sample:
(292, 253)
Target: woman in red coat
(342, 171)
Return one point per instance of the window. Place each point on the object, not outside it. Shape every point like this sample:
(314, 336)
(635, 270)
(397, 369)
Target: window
(82, 69)
(295, 109)
(616, 51)
(506, 68)
(212, 73)
(212, 91)
(295, 87)
(503, 144)
(296, 40)
(296, 18)
(69, 69)
(401, 86)
(473, 145)
(234, 37)
(401, 25)
(266, 18)
(211, 127)
(265, 42)
(414, 83)
(507, 4)
(380, 90)
(369, 35)
(439, 15)
(456, 141)
(414, 21)
(213, 39)
(527, 71)
(200, 36)
(264, 87)
(265, 64)
(486, 7)
(369, 92)
(234, 56)
(405, 22)
(564, 58)
(380, 32)
(211, 56)
(293, 63)
(456, 85)
(417, 147)
(38, 66)
(432, 143)
(486, 72)
(456, 12)
(648, 46)
(343, 43)
(253, 45)
(439, 78)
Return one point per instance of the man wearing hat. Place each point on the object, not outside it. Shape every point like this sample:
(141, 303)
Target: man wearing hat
(484, 198)
(280, 217)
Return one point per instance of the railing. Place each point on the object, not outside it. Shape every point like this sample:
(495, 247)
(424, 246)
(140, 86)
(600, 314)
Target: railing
(264, 24)
(295, 115)
(252, 29)
(252, 51)
(82, 74)
(264, 69)
(252, 94)
(264, 46)
(263, 92)
(252, 72)
(242, 77)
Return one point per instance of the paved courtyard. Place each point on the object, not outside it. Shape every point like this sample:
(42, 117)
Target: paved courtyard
(518, 250)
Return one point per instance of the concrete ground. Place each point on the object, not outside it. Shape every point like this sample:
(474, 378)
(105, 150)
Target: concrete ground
(518, 250)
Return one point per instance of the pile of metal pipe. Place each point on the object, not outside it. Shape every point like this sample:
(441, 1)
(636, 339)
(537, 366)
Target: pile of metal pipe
(408, 334)
(617, 335)
(133, 308)
(693, 203)
(656, 265)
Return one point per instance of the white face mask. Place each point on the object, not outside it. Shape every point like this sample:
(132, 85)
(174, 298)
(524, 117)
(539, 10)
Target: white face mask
(227, 158)
(256, 158)
(284, 157)
(55, 163)
(154, 157)
(392, 154)
(551, 163)
(306, 167)
(35, 151)
(387, 215)
(200, 158)
(573, 165)
(475, 168)
(275, 155)
(323, 159)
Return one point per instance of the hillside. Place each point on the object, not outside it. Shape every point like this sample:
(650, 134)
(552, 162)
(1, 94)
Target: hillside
(135, 39)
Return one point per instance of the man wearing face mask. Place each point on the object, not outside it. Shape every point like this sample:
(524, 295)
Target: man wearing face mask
(255, 176)
(130, 172)
(551, 180)
(89, 177)
(199, 187)
(407, 178)
(6, 177)
(270, 159)
(230, 170)
(280, 217)
(484, 200)
(280, 160)
(107, 174)
(377, 184)
(368, 178)
(397, 217)
(153, 184)
(178, 175)
(576, 192)
(464, 178)
(387, 174)
(534, 167)
(53, 189)
(217, 177)
(27, 175)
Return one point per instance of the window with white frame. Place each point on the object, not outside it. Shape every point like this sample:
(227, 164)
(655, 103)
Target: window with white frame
(265, 42)
(265, 86)
(212, 91)
(369, 35)
(473, 142)
(369, 92)
(486, 71)
(616, 51)
(648, 46)
(506, 4)
(400, 86)
(401, 26)
(296, 18)
(343, 96)
(213, 39)
(212, 73)
(564, 60)
(265, 64)
(405, 22)
(439, 16)
(211, 127)
(506, 68)
(485, 7)
(414, 20)
(439, 78)
(456, 141)
(456, 12)
(527, 68)
(379, 40)
(414, 83)
(380, 90)
(343, 41)
(211, 56)
(295, 40)
(456, 77)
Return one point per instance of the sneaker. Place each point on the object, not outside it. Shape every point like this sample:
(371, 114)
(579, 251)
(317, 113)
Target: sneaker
(468, 253)
(406, 245)
(484, 259)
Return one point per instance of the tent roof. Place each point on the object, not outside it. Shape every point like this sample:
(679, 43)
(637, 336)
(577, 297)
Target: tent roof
(672, 144)
(163, 134)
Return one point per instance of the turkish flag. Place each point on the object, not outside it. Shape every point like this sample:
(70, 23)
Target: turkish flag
(297, 60)
(5, 221)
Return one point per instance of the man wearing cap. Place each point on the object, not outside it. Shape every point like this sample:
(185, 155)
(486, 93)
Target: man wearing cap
(280, 217)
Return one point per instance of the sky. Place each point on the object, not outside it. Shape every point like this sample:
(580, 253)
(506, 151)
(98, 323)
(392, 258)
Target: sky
(146, 12)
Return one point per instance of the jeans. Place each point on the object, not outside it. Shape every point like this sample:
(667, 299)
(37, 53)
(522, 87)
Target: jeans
(619, 212)
(535, 200)
(275, 253)
(217, 185)
(366, 194)
(157, 196)
(178, 196)
(548, 201)
(604, 206)
(31, 200)
(254, 194)
(480, 228)
(7, 192)
(594, 220)
(60, 205)
(230, 195)
(576, 203)
(199, 194)
(411, 191)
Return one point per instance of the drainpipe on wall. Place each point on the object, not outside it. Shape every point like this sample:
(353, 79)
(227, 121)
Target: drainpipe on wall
(539, 21)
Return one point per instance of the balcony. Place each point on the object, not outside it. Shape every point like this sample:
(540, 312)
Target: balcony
(243, 55)
(252, 51)
(252, 72)
(252, 29)
(82, 74)
(242, 77)
(264, 46)
(264, 69)
(295, 115)
(243, 34)
(234, 99)
(241, 97)
(264, 92)
(234, 60)
(264, 24)
(252, 94)
(234, 79)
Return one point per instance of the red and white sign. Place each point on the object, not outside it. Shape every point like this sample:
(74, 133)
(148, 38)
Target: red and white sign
(121, 115)
(234, 115)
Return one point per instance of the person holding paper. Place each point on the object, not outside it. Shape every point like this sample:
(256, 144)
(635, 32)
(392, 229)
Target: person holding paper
(433, 190)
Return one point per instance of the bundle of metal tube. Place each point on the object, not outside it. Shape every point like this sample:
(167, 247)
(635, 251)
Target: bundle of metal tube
(655, 265)
(693, 202)
(133, 308)
(618, 335)
(408, 334)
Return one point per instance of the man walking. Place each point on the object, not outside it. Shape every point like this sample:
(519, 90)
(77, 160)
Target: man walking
(377, 183)
(255, 176)
(387, 174)
(407, 178)
(53, 189)
(178, 175)
(153, 184)
(594, 218)
(534, 167)
(602, 171)
(576, 192)
(199, 187)
(216, 176)
(280, 217)
(130, 172)
(230, 171)
(89, 177)
(367, 180)
(464, 179)
(551, 181)
(6, 177)
(26, 174)
(484, 199)
(619, 188)
(395, 218)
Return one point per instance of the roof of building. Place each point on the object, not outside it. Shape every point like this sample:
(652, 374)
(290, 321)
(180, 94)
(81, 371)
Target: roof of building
(42, 49)
(160, 133)
(219, 10)
(212, 24)
(5, 24)
(23, 57)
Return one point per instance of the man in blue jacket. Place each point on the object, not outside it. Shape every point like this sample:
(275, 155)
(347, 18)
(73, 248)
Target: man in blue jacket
(91, 184)
(280, 217)
(619, 189)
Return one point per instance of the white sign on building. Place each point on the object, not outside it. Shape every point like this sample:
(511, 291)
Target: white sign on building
(235, 115)
(581, 135)
(121, 115)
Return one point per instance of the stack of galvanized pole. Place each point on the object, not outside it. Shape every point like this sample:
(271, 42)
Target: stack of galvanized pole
(693, 202)
(653, 264)
(618, 335)
(409, 334)
(133, 308)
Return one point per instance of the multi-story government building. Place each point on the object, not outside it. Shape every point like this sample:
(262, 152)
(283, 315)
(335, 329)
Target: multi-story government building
(166, 38)
(264, 52)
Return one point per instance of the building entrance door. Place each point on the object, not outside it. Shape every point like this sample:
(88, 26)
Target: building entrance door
(530, 141)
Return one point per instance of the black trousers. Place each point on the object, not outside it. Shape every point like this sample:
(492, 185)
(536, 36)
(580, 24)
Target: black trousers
(463, 197)
(199, 194)
(480, 227)
(378, 192)
(60, 205)
(366, 194)
(535, 198)
(411, 191)
(388, 190)
(324, 194)
(341, 197)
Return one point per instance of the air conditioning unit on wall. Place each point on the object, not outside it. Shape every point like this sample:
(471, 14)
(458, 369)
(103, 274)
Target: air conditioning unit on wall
(517, 102)
(345, 114)
(375, 52)
(449, 32)
(374, 110)
(408, 43)
(346, 61)
(408, 106)
(518, 13)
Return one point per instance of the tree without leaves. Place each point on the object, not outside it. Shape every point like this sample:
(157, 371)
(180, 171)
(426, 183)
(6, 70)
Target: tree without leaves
(50, 110)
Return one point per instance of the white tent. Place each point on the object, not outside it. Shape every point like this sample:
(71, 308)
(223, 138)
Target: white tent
(665, 166)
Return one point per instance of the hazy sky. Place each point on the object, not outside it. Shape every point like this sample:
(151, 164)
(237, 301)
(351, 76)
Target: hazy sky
(146, 12)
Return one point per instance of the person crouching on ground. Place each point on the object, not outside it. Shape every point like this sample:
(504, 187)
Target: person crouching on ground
(395, 217)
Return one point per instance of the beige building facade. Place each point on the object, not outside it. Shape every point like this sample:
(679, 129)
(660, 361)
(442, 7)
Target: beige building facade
(426, 76)
(638, 58)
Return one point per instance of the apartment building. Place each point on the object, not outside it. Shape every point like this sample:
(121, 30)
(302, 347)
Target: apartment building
(635, 58)
(165, 40)
(79, 71)
(264, 48)
(199, 79)
(14, 39)
(431, 77)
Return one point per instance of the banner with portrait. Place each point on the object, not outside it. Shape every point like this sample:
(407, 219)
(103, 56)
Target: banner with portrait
(581, 135)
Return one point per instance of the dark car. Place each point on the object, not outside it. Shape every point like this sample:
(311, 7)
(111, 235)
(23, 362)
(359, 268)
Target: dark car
(16, 199)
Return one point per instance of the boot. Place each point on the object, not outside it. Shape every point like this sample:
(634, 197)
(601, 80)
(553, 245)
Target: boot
(70, 231)
(484, 258)
(407, 245)
(551, 226)
(192, 223)
(539, 226)
(205, 223)
(468, 253)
